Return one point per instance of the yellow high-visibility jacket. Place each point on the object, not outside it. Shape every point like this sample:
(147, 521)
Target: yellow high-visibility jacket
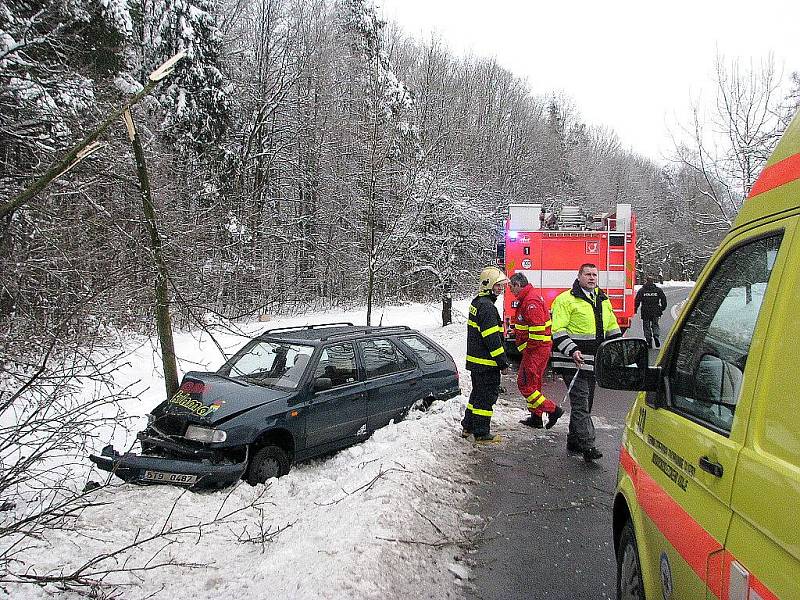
(580, 325)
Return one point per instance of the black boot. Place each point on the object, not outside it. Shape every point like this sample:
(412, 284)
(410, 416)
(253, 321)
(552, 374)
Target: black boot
(591, 454)
(534, 421)
(554, 416)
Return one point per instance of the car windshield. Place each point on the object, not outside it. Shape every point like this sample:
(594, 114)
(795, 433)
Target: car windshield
(271, 363)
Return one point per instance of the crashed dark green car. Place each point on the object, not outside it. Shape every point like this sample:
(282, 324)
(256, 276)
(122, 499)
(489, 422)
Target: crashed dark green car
(288, 395)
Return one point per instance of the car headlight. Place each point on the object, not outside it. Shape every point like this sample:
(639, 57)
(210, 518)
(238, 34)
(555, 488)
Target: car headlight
(205, 434)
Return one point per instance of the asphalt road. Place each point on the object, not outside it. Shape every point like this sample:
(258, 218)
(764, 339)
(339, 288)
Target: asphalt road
(549, 512)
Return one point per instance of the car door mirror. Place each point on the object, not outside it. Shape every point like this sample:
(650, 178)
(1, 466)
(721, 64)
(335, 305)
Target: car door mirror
(322, 383)
(623, 364)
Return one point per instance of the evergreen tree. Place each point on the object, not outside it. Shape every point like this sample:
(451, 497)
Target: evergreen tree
(194, 108)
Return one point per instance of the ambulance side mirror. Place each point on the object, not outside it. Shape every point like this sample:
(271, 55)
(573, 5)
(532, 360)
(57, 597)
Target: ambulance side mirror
(623, 364)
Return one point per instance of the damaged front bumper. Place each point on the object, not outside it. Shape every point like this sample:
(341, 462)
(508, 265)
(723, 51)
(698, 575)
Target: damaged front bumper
(147, 469)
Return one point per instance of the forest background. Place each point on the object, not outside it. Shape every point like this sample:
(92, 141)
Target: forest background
(307, 152)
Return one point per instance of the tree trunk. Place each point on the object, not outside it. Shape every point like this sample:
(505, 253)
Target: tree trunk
(163, 321)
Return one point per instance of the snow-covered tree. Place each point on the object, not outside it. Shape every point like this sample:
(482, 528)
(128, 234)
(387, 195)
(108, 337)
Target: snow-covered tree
(55, 59)
(194, 108)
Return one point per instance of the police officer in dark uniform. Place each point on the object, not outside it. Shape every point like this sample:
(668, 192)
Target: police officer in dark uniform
(653, 302)
(486, 356)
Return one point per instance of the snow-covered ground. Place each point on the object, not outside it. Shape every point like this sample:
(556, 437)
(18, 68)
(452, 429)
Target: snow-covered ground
(383, 519)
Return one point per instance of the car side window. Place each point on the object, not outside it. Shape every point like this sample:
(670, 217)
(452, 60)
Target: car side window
(426, 352)
(338, 363)
(708, 362)
(382, 357)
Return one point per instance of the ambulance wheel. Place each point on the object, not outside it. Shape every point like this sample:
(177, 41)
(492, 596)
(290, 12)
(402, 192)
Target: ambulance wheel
(629, 569)
(269, 462)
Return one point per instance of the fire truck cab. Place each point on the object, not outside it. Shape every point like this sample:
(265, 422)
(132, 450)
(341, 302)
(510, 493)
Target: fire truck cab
(549, 248)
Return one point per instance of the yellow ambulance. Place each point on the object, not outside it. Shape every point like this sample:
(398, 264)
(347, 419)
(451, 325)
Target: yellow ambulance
(708, 497)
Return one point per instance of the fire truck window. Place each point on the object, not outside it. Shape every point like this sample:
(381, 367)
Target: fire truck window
(427, 353)
(708, 363)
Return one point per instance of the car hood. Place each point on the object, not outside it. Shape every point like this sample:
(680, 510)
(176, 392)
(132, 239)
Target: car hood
(211, 398)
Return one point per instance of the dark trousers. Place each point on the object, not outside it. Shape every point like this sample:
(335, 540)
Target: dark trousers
(485, 389)
(581, 397)
(651, 331)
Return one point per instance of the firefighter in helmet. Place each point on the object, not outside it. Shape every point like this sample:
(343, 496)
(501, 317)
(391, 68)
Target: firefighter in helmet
(486, 356)
(534, 342)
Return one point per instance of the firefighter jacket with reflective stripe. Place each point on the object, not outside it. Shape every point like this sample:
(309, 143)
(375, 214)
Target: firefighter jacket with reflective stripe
(485, 335)
(578, 324)
(532, 321)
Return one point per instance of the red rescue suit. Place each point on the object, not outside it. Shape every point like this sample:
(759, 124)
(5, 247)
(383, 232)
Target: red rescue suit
(534, 341)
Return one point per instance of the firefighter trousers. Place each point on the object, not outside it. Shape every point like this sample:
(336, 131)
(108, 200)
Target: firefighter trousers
(485, 389)
(530, 376)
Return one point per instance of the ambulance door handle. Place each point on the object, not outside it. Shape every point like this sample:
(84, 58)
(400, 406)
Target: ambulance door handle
(711, 467)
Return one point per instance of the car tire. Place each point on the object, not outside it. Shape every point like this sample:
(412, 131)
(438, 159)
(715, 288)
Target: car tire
(269, 462)
(629, 570)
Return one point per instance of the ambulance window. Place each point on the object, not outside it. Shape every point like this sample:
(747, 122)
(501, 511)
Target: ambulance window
(709, 359)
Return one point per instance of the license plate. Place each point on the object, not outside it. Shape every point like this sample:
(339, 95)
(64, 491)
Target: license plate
(170, 477)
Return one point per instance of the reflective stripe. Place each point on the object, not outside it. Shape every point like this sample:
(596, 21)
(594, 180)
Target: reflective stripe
(538, 327)
(541, 338)
(582, 336)
(481, 361)
(478, 411)
(535, 400)
(522, 346)
(568, 363)
(565, 346)
(497, 352)
(491, 330)
(586, 357)
(519, 327)
(472, 323)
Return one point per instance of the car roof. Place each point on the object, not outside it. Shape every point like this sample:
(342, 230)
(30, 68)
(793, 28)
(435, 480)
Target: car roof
(775, 192)
(329, 331)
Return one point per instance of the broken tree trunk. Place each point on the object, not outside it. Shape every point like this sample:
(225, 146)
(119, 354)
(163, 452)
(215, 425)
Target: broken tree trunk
(163, 320)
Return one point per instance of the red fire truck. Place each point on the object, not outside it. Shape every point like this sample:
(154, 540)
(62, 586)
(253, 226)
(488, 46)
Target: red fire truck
(549, 248)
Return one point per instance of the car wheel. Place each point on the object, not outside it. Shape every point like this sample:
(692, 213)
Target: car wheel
(269, 462)
(629, 569)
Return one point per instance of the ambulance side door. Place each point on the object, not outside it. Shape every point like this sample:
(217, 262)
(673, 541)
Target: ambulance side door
(694, 438)
(762, 550)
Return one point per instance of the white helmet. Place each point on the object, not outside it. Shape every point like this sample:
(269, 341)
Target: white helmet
(490, 277)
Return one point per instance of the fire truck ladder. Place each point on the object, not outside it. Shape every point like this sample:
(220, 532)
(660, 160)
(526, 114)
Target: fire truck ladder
(617, 257)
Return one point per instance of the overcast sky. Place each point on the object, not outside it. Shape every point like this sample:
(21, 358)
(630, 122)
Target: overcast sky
(633, 66)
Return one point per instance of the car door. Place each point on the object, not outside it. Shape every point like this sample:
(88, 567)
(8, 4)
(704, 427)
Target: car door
(762, 550)
(337, 416)
(393, 381)
(692, 442)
